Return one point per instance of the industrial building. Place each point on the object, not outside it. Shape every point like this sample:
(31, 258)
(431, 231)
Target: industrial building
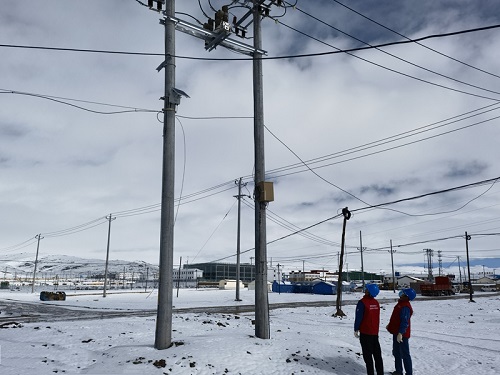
(215, 272)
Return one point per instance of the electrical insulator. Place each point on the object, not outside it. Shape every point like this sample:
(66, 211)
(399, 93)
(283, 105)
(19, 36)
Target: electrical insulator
(219, 17)
(159, 4)
(264, 10)
(225, 10)
(209, 25)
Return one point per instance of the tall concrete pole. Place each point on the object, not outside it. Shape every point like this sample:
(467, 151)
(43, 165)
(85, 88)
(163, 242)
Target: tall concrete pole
(163, 337)
(362, 268)
(238, 244)
(39, 237)
(392, 265)
(110, 218)
(262, 329)
(467, 238)
(347, 215)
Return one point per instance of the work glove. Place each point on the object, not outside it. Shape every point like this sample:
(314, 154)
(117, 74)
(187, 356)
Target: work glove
(399, 338)
(356, 334)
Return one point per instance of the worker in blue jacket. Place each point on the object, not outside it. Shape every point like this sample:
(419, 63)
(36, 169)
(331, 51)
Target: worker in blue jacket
(400, 328)
(366, 327)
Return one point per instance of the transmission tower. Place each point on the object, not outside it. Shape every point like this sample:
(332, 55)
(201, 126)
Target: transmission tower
(429, 253)
(440, 262)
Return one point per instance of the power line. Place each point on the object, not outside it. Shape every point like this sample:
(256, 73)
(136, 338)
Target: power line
(64, 101)
(350, 50)
(462, 187)
(369, 146)
(75, 229)
(292, 227)
(415, 40)
(20, 245)
(396, 137)
(387, 68)
(394, 56)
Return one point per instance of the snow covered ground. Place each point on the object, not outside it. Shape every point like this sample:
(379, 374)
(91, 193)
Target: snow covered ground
(448, 337)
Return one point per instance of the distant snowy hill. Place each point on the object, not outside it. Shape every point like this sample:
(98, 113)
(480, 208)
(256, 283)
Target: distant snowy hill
(68, 266)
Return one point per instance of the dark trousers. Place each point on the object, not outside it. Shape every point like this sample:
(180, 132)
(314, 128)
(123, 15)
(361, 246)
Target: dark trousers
(371, 353)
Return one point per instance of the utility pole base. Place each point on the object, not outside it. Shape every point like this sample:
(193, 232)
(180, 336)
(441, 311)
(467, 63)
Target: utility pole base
(339, 313)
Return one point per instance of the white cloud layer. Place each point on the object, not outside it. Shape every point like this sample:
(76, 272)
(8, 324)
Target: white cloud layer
(61, 166)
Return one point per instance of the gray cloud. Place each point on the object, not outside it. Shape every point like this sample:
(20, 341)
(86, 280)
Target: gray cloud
(13, 131)
(328, 110)
(465, 169)
(380, 191)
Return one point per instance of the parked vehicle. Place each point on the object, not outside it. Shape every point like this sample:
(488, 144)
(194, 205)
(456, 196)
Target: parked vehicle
(441, 287)
(489, 288)
(52, 296)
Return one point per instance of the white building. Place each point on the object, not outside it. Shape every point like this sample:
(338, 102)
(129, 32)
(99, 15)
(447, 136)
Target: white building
(230, 284)
(299, 276)
(187, 277)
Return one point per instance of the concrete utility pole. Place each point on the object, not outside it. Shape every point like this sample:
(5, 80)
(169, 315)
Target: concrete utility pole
(38, 237)
(279, 279)
(347, 215)
(459, 273)
(393, 275)
(214, 33)
(467, 238)
(163, 335)
(110, 218)
(239, 196)
(262, 328)
(361, 251)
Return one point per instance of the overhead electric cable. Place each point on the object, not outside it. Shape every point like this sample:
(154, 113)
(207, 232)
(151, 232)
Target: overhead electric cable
(19, 245)
(396, 137)
(416, 41)
(292, 227)
(386, 149)
(387, 68)
(250, 59)
(75, 229)
(462, 187)
(65, 102)
(393, 55)
(215, 230)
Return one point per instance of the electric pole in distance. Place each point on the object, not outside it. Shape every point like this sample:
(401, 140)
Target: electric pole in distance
(110, 218)
(392, 266)
(238, 236)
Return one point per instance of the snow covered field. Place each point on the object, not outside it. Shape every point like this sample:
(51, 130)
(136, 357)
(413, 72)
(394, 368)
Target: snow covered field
(448, 337)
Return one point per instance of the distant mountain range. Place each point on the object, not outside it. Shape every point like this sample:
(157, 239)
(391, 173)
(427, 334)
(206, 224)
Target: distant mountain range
(478, 266)
(65, 266)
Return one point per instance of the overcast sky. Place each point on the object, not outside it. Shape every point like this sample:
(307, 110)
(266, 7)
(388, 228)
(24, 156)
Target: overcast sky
(344, 130)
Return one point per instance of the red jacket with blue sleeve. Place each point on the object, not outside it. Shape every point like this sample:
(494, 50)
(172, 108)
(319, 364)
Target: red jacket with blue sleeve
(400, 321)
(367, 316)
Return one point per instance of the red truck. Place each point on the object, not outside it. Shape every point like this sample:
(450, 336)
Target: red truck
(441, 287)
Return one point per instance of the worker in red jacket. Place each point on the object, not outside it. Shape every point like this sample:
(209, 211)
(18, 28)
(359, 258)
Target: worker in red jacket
(400, 327)
(366, 327)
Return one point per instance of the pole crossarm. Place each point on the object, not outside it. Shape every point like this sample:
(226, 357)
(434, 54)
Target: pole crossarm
(212, 39)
